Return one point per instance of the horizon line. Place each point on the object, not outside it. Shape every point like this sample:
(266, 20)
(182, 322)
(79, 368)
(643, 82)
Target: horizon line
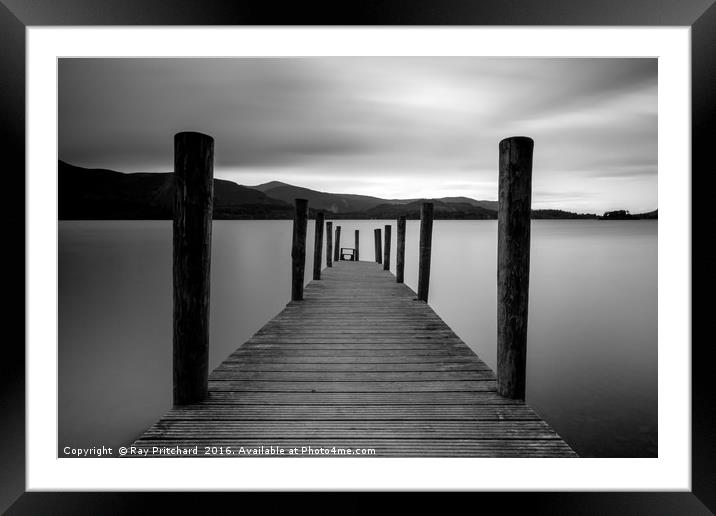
(254, 187)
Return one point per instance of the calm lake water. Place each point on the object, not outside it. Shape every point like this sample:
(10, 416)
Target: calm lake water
(592, 344)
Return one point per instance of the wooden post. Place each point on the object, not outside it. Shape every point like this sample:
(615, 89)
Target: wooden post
(400, 252)
(386, 252)
(193, 207)
(375, 245)
(357, 246)
(337, 253)
(378, 252)
(513, 264)
(318, 246)
(426, 242)
(329, 244)
(298, 249)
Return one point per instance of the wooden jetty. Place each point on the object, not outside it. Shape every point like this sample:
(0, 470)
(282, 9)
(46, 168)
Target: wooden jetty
(356, 360)
(359, 363)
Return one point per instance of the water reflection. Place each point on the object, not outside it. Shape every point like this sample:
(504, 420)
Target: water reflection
(592, 356)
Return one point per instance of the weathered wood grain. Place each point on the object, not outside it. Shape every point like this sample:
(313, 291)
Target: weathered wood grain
(513, 263)
(378, 252)
(359, 363)
(193, 207)
(298, 249)
(337, 250)
(329, 244)
(350, 376)
(359, 398)
(426, 239)
(351, 367)
(386, 248)
(318, 246)
(354, 386)
(330, 429)
(400, 252)
(347, 412)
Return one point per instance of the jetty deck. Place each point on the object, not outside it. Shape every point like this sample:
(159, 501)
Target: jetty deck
(360, 363)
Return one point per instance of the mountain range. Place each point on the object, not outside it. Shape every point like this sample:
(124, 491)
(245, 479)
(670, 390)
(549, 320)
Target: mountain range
(106, 194)
(350, 203)
(86, 194)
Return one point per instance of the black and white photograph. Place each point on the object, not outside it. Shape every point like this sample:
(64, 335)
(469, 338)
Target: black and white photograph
(369, 257)
(274, 254)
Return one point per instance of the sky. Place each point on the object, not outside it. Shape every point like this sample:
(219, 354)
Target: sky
(391, 127)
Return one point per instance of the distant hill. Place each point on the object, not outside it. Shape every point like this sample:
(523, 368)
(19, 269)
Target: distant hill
(342, 204)
(649, 215)
(610, 215)
(334, 203)
(452, 210)
(625, 215)
(490, 205)
(411, 210)
(561, 214)
(105, 194)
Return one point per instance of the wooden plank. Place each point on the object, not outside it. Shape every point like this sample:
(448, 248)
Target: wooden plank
(350, 376)
(362, 359)
(357, 398)
(351, 345)
(386, 352)
(376, 341)
(387, 331)
(346, 412)
(202, 429)
(335, 367)
(358, 386)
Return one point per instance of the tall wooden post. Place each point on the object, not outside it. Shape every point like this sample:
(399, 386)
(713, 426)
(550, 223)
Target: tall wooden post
(357, 246)
(337, 252)
(329, 244)
(298, 249)
(513, 264)
(378, 252)
(193, 207)
(400, 252)
(426, 242)
(318, 246)
(386, 252)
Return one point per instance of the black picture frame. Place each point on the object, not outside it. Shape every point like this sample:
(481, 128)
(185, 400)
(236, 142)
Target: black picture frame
(17, 15)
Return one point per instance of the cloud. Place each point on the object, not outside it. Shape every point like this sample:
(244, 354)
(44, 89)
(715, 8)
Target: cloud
(421, 123)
